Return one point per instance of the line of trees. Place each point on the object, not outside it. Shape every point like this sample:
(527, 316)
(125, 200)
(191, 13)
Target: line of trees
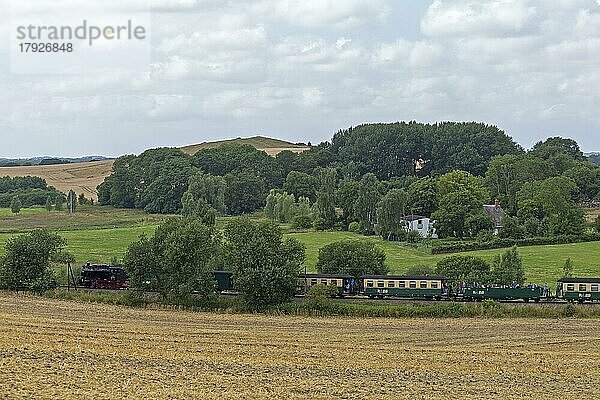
(28, 190)
(374, 175)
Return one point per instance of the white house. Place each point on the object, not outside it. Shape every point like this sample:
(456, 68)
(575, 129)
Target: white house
(421, 224)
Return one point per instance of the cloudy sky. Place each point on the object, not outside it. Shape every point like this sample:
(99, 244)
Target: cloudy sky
(302, 69)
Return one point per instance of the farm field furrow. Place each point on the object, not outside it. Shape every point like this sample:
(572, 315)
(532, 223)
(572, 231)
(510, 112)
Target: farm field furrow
(56, 349)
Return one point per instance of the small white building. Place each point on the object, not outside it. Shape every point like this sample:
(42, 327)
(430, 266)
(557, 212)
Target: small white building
(421, 224)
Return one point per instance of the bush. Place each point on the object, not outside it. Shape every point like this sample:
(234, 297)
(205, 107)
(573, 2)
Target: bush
(320, 224)
(413, 237)
(354, 257)
(26, 265)
(302, 222)
(265, 265)
(597, 224)
(354, 227)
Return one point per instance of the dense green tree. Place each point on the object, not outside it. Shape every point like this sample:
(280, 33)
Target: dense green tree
(465, 269)
(507, 268)
(265, 265)
(514, 230)
(236, 158)
(301, 185)
(461, 197)
(205, 197)
(587, 179)
(556, 145)
(163, 195)
(345, 197)
(369, 194)
(391, 214)
(353, 257)
(597, 224)
(31, 191)
(177, 261)
(246, 192)
(551, 201)
(507, 174)
(26, 264)
(423, 197)
(59, 202)
(15, 205)
(325, 204)
(413, 148)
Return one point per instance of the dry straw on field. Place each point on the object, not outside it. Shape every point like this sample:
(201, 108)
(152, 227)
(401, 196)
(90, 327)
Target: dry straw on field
(55, 349)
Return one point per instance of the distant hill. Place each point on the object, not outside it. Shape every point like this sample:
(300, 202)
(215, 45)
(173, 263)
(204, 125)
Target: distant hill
(15, 162)
(269, 145)
(594, 158)
(84, 174)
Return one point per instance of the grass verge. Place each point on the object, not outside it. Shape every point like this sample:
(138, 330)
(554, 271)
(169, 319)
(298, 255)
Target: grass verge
(328, 308)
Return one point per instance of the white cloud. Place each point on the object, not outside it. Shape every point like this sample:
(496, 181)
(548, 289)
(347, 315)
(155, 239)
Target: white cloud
(477, 18)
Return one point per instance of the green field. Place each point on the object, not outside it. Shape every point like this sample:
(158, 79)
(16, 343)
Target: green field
(542, 263)
(85, 217)
(100, 234)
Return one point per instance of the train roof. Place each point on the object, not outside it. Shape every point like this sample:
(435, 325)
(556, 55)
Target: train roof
(406, 277)
(333, 276)
(579, 280)
(96, 267)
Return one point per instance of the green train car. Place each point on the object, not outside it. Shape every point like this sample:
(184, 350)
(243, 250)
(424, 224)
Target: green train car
(344, 282)
(224, 281)
(430, 287)
(527, 294)
(580, 289)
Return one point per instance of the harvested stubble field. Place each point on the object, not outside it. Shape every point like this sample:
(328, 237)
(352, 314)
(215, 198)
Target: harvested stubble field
(57, 349)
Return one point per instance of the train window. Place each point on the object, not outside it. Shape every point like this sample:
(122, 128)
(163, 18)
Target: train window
(391, 284)
(582, 287)
(423, 285)
(413, 284)
(334, 282)
(369, 283)
(570, 287)
(313, 281)
(595, 287)
(434, 285)
(324, 281)
(402, 284)
(380, 283)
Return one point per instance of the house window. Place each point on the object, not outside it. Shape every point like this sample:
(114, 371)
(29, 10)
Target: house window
(413, 284)
(423, 285)
(582, 287)
(434, 285)
(571, 287)
(391, 284)
(594, 287)
(369, 283)
(380, 284)
(402, 284)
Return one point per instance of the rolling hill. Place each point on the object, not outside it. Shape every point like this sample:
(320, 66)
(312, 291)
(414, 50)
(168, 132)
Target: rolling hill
(84, 177)
(269, 145)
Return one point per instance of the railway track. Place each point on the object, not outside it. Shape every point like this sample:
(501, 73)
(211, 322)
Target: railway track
(365, 299)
